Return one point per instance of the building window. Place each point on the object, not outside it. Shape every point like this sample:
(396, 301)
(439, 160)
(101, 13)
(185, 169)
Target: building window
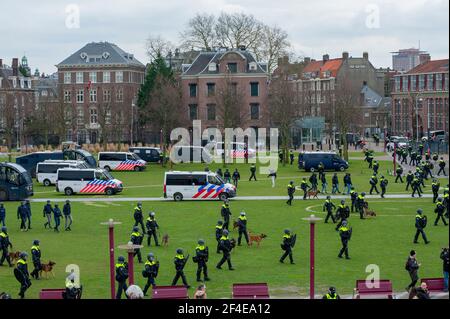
(80, 116)
(119, 95)
(93, 96)
(254, 89)
(254, 111)
(211, 89)
(107, 96)
(119, 77)
(80, 96)
(446, 82)
(106, 77)
(431, 114)
(14, 82)
(439, 115)
(68, 115)
(93, 77)
(405, 84)
(108, 116)
(430, 84)
(67, 78)
(211, 110)
(93, 116)
(80, 79)
(439, 85)
(397, 84)
(232, 67)
(193, 112)
(413, 83)
(192, 90)
(421, 82)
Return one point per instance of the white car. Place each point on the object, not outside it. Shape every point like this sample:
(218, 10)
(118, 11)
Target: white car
(46, 170)
(120, 161)
(401, 141)
(196, 185)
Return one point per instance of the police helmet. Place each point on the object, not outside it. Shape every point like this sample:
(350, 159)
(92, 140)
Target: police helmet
(23, 255)
(150, 256)
(226, 201)
(342, 202)
(328, 197)
(332, 290)
(242, 213)
(4, 229)
(179, 251)
(344, 223)
(220, 222)
(56, 205)
(48, 201)
(419, 211)
(139, 204)
(291, 182)
(36, 242)
(363, 194)
(287, 231)
(225, 232)
(67, 201)
(135, 228)
(121, 259)
(440, 199)
(201, 242)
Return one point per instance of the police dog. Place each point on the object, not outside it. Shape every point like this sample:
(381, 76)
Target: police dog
(47, 268)
(14, 256)
(313, 193)
(256, 238)
(165, 240)
(235, 225)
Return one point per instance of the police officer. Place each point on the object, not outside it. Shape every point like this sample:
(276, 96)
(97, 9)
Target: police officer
(226, 213)
(291, 156)
(409, 179)
(304, 186)
(57, 214)
(252, 172)
(428, 167)
(286, 245)
(412, 266)
(421, 223)
(329, 206)
(22, 215)
(139, 216)
(335, 184)
(348, 182)
(441, 167)
(28, 206)
(353, 197)
(313, 181)
(373, 182)
(151, 268)
(22, 269)
(413, 156)
(2, 215)
(404, 157)
(440, 210)
(225, 247)
(369, 158)
(331, 294)
(219, 228)
(416, 187)
(4, 244)
(345, 233)
(323, 179)
(383, 184)
(418, 159)
(219, 172)
(242, 227)
(376, 166)
(342, 213)
(136, 239)
(227, 176)
(236, 177)
(121, 277)
(47, 212)
(435, 185)
(290, 191)
(36, 257)
(201, 257)
(152, 226)
(67, 211)
(398, 173)
(320, 169)
(360, 203)
(180, 261)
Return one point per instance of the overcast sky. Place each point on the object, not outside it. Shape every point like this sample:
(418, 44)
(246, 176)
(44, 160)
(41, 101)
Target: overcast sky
(315, 27)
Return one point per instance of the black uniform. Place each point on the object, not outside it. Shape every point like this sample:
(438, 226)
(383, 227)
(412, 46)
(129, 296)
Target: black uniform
(136, 239)
(227, 176)
(121, 278)
(150, 272)
(201, 257)
(252, 172)
(329, 206)
(440, 210)
(435, 188)
(373, 182)
(47, 212)
(353, 197)
(242, 228)
(236, 177)
(36, 257)
(376, 166)
(28, 206)
(291, 157)
(399, 172)
(321, 170)
(342, 214)
(291, 191)
(225, 247)
(22, 215)
(4, 244)
(226, 213)
(416, 187)
(345, 233)
(412, 266)
(139, 217)
(360, 203)
(313, 181)
(409, 180)
(421, 223)
(152, 226)
(287, 247)
(25, 281)
(219, 229)
(304, 186)
(2, 215)
(383, 184)
(441, 168)
(180, 261)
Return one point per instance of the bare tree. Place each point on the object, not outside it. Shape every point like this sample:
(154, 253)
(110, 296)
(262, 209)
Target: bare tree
(8, 118)
(156, 45)
(200, 32)
(273, 44)
(238, 29)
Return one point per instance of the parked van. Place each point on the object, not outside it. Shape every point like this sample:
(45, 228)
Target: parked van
(120, 161)
(309, 161)
(238, 150)
(46, 170)
(148, 154)
(15, 182)
(86, 181)
(190, 154)
(196, 185)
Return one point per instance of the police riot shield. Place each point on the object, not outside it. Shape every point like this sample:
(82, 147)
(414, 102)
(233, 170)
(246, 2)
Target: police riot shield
(294, 240)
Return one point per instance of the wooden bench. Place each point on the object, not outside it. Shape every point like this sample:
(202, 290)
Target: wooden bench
(251, 291)
(434, 284)
(384, 289)
(51, 293)
(170, 292)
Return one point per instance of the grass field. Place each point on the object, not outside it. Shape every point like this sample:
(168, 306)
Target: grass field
(384, 241)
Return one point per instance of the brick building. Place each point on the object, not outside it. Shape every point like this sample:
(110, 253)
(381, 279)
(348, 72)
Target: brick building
(420, 99)
(98, 85)
(206, 77)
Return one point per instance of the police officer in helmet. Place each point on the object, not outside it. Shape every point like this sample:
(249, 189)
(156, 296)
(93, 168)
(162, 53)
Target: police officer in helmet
(331, 294)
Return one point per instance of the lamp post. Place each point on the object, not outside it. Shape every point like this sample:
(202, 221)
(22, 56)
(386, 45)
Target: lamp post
(110, 225)
(417, 115)
(312, 222)
(132, 121)
(130, 247)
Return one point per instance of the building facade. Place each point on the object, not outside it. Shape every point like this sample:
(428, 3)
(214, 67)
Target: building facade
(98, 86)
(204, 81)
(420, 99)
(407, 59)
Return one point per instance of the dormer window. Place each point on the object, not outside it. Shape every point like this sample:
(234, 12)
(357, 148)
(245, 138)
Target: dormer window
(253, 66)
(212, 67)
(14, 83)
(232, 67)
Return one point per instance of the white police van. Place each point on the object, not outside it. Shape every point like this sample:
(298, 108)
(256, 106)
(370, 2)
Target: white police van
(46, 170)
(196, 185)
(237, 150)
(120, 161)
(87, 181)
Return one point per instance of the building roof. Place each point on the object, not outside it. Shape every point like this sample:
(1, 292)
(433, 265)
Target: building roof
(431, 67)
(372, 99)
(100, 53)
(201, 63)
(323, 69)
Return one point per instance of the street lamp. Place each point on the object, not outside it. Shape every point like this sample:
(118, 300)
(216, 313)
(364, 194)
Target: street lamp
(110, 225)
(130, 247)
(312, 222)
(417, 115)
(133, 104)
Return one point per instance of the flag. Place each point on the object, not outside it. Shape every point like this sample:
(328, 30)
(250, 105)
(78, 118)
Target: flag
(89, 85)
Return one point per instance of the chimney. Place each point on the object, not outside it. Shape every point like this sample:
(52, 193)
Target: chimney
(325, 58)
(366, 56)
(307, 59)
(345, 55)
(15, 66)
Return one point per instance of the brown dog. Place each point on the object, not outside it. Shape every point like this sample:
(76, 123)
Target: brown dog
(47, 269)
(369, 213)
(313, 194)
(235, 225)
(256, 238)
(165, 240)
(14, 256)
